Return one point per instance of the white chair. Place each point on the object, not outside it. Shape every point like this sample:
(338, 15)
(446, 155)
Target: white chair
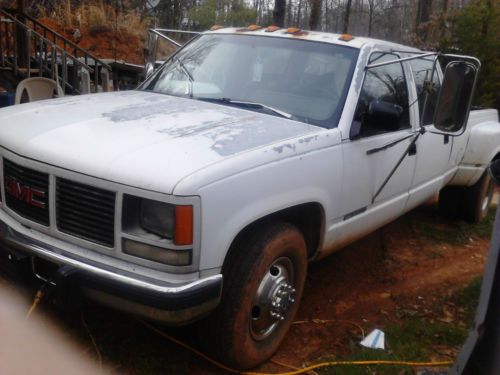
(38, 88)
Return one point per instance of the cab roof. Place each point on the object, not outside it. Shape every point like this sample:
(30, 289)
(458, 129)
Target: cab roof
(317, 36)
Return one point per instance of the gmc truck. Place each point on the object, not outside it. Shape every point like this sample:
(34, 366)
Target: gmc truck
(203, 194)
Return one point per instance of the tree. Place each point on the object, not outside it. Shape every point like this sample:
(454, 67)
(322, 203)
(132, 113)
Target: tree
(315, 14)
(424, 11)
(222, 12)
(279, 13)
(476, 32)
(347, 15)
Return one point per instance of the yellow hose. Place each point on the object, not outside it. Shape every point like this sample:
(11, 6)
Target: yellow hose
(356, 363)
(302, 370)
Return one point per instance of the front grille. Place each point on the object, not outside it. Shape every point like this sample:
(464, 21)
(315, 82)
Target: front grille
(27, 192)
(85, 211)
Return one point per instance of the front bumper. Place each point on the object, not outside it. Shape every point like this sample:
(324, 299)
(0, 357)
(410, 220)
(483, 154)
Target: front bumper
(171, 303)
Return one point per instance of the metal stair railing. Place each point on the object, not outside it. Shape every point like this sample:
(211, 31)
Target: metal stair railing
(47, 50)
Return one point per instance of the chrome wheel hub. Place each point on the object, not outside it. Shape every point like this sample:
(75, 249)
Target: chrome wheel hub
(275, 295)
(281, 301)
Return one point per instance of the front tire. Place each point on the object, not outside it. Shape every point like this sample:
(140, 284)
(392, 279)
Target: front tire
(264, 278)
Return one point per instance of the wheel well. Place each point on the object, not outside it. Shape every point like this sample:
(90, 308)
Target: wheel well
(307, 217)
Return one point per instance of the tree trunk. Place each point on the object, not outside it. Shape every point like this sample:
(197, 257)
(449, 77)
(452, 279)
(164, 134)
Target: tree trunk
(315, 14)
(424, 10)
(370, 16)
(445, 6)
(289, 14)
(486, 20)
(347, 14)
(299, 13)
(279, 13)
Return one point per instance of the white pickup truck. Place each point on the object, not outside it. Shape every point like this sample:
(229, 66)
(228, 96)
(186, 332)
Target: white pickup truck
(205, 192)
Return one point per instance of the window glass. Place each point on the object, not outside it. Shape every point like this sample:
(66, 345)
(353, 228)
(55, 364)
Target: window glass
(387, 86)
(422, 72)
(308, 80)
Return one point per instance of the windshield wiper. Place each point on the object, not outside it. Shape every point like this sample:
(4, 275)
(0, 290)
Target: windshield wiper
(245, 104)
(184, 69)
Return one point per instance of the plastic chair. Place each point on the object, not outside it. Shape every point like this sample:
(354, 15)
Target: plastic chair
(37, 88)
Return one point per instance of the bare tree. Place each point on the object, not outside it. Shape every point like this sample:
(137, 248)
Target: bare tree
(279, 13)
(424, 10)
(299, 12)
(347, 15)
(315, 14)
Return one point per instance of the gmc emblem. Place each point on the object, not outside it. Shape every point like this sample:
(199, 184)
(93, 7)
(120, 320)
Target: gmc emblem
(24, 192)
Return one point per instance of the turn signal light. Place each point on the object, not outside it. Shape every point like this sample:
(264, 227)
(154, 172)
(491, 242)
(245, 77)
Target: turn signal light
(183, 225)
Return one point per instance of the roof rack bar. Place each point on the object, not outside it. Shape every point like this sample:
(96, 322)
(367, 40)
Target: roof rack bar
(370, 66)
(178, 31)
(156, 32)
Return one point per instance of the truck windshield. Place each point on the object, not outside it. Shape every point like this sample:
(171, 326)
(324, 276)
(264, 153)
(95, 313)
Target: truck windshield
(292, 78)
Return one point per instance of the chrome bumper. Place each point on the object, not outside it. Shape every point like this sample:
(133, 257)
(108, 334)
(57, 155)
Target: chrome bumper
(170, 303)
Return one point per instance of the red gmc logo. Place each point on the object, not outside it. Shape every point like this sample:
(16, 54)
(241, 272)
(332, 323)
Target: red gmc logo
(23, 192)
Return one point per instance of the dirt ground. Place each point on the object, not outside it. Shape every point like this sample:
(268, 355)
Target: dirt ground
(407, 268)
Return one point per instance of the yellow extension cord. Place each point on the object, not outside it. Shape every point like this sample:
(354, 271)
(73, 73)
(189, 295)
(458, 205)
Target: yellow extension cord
(39, 295)
(302, 370)
(36, 301)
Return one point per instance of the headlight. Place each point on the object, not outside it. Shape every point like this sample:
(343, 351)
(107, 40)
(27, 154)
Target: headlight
(158, 218)
(156, 229)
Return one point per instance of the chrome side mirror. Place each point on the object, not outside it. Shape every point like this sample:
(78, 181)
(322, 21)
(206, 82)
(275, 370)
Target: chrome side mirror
(149, 68)
(455, 96)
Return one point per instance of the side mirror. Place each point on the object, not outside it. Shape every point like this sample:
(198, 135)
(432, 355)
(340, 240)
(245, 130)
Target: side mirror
(383, 115)
(455, 97)
(149, 68)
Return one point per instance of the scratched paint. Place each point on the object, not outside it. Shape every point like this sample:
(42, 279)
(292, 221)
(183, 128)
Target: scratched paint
(144, 139)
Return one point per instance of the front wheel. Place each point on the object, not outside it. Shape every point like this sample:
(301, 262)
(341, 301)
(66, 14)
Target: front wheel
(263, 283)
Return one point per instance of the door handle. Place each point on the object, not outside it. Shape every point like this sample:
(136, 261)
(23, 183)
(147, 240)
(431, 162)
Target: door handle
(412, 150)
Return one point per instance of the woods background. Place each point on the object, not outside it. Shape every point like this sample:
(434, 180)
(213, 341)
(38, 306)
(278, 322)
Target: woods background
(463, 26)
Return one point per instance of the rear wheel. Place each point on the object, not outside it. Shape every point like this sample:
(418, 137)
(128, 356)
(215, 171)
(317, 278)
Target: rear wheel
(263, 282)
(478, 198)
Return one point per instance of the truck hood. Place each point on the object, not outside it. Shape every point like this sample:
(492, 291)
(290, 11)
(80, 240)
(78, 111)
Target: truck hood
(141, 139)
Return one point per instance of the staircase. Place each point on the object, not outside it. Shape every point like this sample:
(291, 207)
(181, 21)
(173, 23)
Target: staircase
(30, 49)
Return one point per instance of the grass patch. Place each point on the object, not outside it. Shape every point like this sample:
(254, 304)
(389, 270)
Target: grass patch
(454, 233)
(415, 339)
(412, 340)
(468, 299)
